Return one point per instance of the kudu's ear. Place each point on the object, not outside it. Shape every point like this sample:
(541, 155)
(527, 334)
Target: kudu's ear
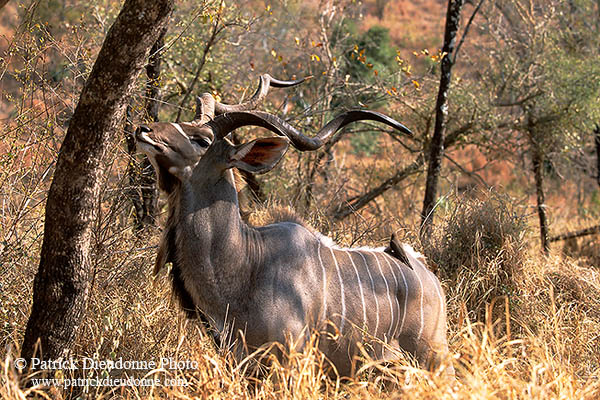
(259, 155)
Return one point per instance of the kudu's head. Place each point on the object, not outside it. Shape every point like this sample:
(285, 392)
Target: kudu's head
(175, 150)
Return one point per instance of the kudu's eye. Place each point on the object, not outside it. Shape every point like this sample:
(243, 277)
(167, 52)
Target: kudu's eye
(144, 128)
(200, 141)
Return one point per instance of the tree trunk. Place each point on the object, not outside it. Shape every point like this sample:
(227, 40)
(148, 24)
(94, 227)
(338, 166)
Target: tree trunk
(436, 146)
(153, 74)
(380, 8)
(538, 165)
(63, 281)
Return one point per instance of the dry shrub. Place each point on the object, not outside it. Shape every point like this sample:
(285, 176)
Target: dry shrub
(478, 250)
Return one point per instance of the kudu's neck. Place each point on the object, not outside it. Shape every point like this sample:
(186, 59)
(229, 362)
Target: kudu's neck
(222, 253)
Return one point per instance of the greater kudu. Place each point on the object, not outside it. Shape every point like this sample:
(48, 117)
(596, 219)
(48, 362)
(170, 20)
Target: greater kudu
(274, 281)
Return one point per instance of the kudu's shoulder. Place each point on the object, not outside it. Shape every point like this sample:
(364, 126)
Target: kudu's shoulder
(288, 232)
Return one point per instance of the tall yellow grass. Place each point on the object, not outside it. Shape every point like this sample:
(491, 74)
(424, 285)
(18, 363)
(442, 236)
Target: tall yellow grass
(540, 340)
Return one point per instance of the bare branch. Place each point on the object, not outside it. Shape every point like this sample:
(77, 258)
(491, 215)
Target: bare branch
(462, 169)
(349, 206)
(217, 29)
(467, 27)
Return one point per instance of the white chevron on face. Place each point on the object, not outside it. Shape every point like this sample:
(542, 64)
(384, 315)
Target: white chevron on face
(179, 129)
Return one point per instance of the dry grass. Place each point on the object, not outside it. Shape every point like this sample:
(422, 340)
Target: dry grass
(540, 340)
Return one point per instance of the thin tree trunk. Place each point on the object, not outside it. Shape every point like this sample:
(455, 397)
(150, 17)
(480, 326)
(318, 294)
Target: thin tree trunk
(597, 140)
(380, 8)
(153, 75)
(133, 172)
(142, 180)
(147, 178)
(538, 165)
(63, 281)
(436, 146)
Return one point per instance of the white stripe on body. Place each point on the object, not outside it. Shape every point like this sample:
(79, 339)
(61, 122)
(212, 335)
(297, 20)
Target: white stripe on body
(386, 256)
(324, 312)
(362, 295)
(341, 291)
(420, 306)
(413, 257)
(405, 293)
(374, 293)
(387, 288)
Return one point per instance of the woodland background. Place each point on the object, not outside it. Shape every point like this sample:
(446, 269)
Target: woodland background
(522, 139)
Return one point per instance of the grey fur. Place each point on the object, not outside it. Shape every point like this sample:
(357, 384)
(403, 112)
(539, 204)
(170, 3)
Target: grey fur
(272, 282)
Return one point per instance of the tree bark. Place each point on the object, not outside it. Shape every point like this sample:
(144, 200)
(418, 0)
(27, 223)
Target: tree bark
(62, 283)
(436, 146)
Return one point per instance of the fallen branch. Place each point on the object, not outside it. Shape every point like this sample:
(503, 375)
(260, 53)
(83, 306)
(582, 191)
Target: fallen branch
(584, 232)
(354, 204)
(357, 203)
